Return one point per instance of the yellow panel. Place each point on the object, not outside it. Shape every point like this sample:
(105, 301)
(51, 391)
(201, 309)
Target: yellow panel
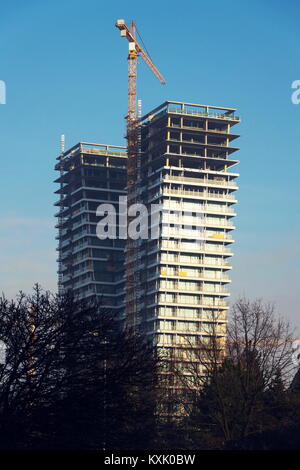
(217, 235)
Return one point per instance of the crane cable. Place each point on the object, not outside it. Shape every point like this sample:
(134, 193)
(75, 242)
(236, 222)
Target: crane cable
(143, 43)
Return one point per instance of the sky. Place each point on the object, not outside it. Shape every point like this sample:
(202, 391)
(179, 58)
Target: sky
(65, 69)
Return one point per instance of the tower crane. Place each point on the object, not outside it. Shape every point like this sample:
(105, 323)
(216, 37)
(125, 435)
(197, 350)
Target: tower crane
(135, 50)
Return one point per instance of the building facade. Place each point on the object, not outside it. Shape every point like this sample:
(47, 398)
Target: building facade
(186, 170)
(90, 175)
(186, 179)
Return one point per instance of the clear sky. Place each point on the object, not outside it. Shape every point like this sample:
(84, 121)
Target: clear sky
(65, 69)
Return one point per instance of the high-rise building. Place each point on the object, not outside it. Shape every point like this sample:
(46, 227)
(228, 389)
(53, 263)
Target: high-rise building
(185, 167)
(181, 274)
(90, 175)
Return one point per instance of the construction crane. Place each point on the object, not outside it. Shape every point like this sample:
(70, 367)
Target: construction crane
(135, 50)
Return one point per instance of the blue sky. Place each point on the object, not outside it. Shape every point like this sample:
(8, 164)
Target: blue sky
(65, 68)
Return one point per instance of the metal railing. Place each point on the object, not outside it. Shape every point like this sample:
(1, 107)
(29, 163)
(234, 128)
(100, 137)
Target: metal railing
(199, 180)
(193, 193)
(193, 112)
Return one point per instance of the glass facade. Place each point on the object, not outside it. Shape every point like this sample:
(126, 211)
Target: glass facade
(90, 175)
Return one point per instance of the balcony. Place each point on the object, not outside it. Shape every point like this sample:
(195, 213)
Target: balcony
(198, 303)
(199, 142)
(194, 112)
(165, 272)
(80, 235)
(196, 194)
(197, 207)
(168, 232)
(179, 287)
(200, 181)
(176, 260)
(200, 221)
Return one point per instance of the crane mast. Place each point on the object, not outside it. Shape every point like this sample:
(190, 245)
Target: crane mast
(135, 50)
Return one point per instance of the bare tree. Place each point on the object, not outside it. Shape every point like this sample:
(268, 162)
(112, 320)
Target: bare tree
(255, 328)
(260, 346)
(71, 377)
(228, 380)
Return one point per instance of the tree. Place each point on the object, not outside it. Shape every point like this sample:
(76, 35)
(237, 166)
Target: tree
(229, 401)
(72, 378)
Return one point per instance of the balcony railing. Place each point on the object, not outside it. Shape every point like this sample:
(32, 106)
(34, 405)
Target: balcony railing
(189, 275)
(202, 129)
(193, 112)
(197, 207)
(193, 141)
(200, 221)
(97, 151)
(168, 231)
(198, 288)
(205, 181)
(193, 193)
(197, 262)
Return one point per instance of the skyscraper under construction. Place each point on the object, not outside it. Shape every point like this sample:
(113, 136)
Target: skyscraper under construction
(90, 174)
(181, 276)
(186, 169)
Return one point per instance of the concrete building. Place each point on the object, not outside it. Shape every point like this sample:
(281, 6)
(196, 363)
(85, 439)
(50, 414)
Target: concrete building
(90, 174)
(186, 167)
(181, 276)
